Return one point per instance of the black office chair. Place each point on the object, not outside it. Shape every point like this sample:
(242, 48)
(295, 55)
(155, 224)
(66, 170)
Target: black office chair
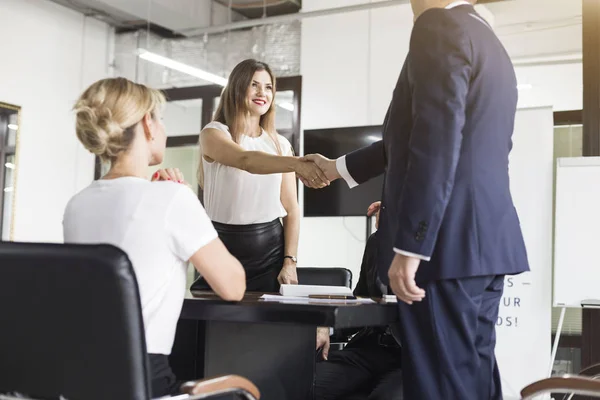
(333, 276)
(71, 326)
(324, 276)
(592, 372)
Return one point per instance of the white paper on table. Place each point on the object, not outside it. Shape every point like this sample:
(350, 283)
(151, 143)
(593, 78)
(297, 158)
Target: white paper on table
(307, 300)
(307, 290)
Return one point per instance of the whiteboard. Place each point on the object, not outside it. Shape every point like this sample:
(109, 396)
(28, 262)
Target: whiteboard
(577, 231)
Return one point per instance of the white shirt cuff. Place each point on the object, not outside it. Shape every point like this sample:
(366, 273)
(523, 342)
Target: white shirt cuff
(409, 254)
(330, 331)
(340, 164)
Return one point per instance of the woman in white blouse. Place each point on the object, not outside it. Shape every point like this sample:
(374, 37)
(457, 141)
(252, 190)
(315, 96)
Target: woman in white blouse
(248, 173)
(161, 225)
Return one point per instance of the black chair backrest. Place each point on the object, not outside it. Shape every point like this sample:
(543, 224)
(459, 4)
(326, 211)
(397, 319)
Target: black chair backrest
(70, 323)
(324, 276)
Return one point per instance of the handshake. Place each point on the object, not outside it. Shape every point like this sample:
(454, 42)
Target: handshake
(316, 171)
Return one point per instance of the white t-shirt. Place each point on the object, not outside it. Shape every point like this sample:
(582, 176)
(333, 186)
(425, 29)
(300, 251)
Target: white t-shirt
(160, 225)
(234, 196)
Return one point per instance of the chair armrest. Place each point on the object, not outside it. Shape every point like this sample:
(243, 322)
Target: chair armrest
(566, 384)
(592, 370)
(221, 384)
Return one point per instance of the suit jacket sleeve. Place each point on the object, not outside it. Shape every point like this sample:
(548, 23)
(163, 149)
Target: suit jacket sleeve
(363, 164)
(440, 72)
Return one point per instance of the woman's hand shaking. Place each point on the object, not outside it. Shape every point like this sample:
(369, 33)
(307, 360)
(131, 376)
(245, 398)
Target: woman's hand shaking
(327, 166)
(310, 174)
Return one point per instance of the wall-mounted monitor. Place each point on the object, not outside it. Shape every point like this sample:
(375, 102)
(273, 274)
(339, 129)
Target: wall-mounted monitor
(337, 199)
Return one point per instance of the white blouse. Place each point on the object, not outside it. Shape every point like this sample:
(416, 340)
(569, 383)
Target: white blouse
(160, 225)
(234, 196)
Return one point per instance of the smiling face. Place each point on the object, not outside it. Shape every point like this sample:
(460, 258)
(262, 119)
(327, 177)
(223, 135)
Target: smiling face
(259, 95)
(248, 96)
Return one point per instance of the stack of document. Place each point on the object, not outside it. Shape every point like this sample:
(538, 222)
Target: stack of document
(308, 300)
(301, 293)
(308, 290)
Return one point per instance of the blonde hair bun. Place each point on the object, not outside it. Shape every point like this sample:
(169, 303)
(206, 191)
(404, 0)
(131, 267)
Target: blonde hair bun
(98, 132)
(107, 113)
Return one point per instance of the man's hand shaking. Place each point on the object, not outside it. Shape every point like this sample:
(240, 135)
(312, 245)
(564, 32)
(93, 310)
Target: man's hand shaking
(327, 166)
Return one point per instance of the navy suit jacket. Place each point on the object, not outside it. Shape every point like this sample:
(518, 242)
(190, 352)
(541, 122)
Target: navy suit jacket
(446, 140)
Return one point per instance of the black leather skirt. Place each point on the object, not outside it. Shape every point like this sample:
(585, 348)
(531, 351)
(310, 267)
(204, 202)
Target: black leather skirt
(162, 379)
(260, 249)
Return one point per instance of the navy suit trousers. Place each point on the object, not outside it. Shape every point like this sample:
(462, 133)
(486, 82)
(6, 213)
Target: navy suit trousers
(449, 339)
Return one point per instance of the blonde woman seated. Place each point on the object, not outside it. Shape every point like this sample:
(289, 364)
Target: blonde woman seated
(161, 225)
(248, 173)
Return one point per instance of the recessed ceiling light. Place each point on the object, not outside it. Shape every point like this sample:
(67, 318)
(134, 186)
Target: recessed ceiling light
(181, 67)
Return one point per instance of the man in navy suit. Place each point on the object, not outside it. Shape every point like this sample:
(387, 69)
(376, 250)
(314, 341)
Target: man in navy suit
(449, 231)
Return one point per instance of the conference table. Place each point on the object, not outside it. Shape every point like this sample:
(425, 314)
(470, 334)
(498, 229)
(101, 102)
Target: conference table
(270, 342)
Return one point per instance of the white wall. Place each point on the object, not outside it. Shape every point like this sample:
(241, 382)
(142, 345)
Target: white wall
(559, 86)
(52, 54)
(350, 63)
(183, 118)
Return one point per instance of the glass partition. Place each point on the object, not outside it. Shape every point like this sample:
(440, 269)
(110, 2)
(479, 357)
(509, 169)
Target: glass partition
(183, 117)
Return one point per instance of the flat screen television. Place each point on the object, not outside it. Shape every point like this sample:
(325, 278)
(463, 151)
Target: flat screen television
(337, 200)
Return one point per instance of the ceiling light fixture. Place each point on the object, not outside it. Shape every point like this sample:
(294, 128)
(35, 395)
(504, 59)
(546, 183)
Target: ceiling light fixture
(14, 127)
(181, 67)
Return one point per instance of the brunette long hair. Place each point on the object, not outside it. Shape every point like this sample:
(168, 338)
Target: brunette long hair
(232, 105)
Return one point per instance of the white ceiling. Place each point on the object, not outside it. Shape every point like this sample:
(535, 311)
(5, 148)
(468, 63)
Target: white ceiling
(535, 28)
(174, 15)
(514, 12)
(171, 14)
